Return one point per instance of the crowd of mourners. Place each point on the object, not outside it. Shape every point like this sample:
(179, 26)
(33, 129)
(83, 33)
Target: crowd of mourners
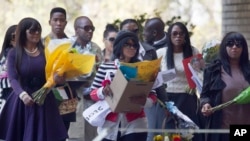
(22, 72)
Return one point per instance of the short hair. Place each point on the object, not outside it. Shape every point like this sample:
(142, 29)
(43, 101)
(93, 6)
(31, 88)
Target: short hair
(109, 28)
(126, 21)
(57, 9)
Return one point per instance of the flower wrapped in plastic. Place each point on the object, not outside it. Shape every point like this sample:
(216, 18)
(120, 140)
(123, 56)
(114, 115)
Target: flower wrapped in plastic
(210, 50)
(182, 122)
(242, 98)
(66, 62)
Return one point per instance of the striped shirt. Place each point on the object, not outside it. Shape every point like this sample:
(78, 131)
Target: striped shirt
(4, 80)
(122, 118)
(101, 73)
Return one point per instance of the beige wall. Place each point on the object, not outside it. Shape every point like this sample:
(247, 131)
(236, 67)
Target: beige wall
(236, 17)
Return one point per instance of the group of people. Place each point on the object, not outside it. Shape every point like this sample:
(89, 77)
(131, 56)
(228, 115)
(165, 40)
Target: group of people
(23, 72)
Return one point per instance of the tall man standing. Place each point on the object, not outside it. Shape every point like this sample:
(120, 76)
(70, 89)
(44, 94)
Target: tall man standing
(154, 35)
(58, 22)
(84, 30)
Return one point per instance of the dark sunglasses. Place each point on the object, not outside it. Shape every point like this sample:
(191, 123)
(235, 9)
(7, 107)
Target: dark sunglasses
(111, 39)
(175, 34)
(87, 28)
(34, 31)
(232, 43)
(130, 46)
(13, 35)
(135, 30)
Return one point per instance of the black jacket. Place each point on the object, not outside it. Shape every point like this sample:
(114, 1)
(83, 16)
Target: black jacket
(212, 94)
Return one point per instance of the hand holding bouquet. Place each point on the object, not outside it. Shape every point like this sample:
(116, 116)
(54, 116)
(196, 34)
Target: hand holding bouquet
(242, 98)
(63, 61)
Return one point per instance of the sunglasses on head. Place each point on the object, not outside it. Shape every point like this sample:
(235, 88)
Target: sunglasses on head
(111, 39)
(34, 31)
(232, 43)
(87, 28)
(176, 33)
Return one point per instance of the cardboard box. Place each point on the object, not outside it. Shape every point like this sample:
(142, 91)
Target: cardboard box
(123, 89)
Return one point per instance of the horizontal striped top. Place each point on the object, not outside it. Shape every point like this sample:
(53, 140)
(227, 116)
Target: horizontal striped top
(103, 69)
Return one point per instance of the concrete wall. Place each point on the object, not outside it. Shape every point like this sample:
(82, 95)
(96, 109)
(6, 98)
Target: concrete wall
(236, 17)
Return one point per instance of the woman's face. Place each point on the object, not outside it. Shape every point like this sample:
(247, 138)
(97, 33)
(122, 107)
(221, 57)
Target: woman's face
(33, 35)
(12, 41)
(177, 36)
(109, 41)
(234, 49)
(129, 50)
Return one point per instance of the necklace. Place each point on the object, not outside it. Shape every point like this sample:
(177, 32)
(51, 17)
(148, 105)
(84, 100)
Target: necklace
(31, 52)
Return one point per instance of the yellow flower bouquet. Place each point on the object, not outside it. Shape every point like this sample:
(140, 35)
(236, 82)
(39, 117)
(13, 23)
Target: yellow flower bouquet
(66, 62)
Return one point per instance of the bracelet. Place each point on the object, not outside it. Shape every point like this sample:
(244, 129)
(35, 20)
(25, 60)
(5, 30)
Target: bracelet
(22, 94)
(100, 94)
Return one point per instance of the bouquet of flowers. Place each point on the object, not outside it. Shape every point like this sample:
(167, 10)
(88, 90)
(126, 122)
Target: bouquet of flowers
(242, 98)
(210, 50)
(182, 122)
(63, 60)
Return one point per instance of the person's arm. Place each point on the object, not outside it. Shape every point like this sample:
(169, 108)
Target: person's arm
(15, 79)
(12, 72)
(205, 100)
(97, 84)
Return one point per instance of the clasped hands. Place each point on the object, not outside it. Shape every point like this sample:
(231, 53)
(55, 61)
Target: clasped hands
(27, 99)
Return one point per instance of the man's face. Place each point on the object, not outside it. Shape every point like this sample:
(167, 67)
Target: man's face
(148, 34)
(58, 23)
(131, 27)
(85, 30)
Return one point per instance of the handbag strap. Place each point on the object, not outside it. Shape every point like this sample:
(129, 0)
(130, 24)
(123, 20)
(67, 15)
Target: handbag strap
(70, 90)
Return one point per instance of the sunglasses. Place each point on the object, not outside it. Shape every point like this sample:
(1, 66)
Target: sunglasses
(111, 39)
(87, 28)
(130, 46)
(13, 35)
(232, 43)
(135, 30)
(34, 31)
(175, 34)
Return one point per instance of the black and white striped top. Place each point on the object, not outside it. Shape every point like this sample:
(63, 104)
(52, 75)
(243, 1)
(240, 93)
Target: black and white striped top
(4, 81)
(103, 69)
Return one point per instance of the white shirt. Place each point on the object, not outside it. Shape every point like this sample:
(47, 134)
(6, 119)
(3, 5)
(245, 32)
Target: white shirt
(179, 83)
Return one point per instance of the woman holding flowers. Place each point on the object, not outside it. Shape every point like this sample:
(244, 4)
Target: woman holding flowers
(224, 79)
(126, 49)
(22, 119)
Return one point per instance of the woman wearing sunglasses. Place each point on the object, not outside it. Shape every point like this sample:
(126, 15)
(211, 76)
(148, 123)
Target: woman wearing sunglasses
(224, 80)
(8, 43)
(22, 119)
(109, 36)
(126, 49)
(179, 48)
